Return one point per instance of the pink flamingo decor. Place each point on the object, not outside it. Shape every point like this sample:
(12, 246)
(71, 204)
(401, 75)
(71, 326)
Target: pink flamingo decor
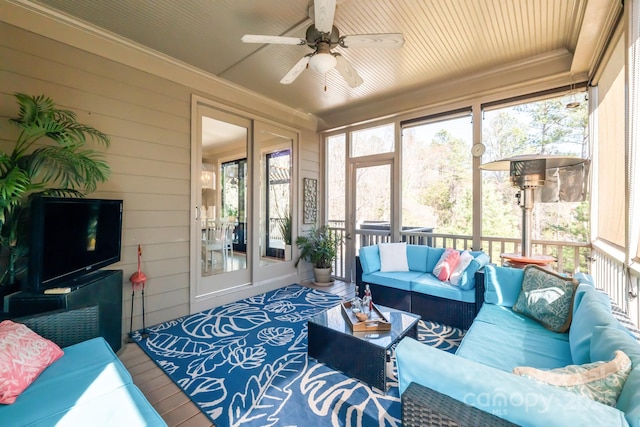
(138, 281)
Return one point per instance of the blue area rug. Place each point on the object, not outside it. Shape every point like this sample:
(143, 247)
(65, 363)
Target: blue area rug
(245, 364)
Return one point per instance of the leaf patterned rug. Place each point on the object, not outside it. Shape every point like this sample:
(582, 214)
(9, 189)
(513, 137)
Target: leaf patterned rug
(245, 364)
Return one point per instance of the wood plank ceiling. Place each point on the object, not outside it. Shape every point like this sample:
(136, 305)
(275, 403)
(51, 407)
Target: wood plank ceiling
(444, 40)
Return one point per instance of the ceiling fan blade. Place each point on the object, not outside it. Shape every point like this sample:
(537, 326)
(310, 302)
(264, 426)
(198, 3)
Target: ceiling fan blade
(296, 70)
(254, 38)
(323, 12)
(388, 40)
(347, 72)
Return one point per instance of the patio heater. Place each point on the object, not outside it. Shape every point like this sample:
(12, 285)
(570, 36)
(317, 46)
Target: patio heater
(528, 172)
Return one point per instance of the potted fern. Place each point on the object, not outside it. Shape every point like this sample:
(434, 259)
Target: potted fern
(49, 158)
(320, 248)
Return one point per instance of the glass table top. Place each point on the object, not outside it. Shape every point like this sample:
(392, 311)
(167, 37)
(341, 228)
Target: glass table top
(401, 321)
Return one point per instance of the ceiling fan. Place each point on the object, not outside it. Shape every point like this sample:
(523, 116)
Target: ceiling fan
(322, 36)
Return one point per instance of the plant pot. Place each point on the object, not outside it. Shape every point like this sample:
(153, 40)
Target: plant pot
(322, 275)
(287, 252)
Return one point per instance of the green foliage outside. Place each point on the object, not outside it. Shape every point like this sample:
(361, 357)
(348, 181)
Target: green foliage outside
(436, 173)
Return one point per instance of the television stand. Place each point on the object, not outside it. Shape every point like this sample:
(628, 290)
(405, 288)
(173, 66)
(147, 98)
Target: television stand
(102, 288)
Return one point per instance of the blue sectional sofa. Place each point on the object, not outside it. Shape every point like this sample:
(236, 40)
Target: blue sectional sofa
(479, 376)
(87, 386)
(418, 290)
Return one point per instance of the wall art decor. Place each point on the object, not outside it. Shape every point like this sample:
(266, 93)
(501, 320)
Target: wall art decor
(310, 214)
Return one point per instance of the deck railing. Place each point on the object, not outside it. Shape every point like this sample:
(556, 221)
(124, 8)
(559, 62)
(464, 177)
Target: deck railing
(622, 283)
(571, 256)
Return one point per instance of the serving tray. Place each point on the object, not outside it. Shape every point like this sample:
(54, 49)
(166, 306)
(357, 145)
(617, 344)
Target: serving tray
(376, 322)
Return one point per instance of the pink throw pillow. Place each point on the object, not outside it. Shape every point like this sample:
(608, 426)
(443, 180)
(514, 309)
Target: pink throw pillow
(446, 264)
(23, 356)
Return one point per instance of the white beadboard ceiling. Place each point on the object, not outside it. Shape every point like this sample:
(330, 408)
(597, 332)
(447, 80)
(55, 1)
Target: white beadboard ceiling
(444, 40)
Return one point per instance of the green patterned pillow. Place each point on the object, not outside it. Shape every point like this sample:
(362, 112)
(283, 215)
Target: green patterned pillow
(546, 297)
(599, 381)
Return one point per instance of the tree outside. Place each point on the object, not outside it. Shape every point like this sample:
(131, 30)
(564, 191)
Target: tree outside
(436, 171)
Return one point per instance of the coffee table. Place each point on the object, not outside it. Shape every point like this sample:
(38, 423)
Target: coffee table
(361, 355)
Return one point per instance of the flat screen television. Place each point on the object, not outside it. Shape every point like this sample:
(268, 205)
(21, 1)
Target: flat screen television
(70, 237)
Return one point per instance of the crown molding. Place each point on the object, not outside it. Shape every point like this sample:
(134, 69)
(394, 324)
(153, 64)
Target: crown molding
(531, 74)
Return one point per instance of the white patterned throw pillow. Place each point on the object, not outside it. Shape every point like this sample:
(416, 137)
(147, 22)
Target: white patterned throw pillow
(463, 263)
(600, 381)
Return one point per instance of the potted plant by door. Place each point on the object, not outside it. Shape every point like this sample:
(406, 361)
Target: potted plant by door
(49, 157)
(285, 231)
(319, 247)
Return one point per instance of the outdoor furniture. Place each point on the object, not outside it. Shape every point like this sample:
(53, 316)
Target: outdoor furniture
(418, 290)
(481, 373)
(88, 385)
(361, 355)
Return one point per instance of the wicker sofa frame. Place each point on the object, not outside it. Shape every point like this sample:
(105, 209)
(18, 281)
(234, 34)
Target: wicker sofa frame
(422, 406)
(454, 313)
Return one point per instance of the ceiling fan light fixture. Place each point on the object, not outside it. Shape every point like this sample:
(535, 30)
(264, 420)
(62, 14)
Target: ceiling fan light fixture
(322, 62)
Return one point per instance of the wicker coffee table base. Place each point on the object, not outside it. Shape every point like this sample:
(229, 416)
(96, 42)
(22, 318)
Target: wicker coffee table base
(353, 354)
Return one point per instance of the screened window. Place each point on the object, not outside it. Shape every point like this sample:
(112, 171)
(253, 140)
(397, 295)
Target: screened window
(436, 175)
(376, 140)
(554, 126)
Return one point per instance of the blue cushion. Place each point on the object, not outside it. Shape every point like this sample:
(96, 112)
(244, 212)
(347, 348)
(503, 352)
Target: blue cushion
(468, 278)
(434, 255)
(428, 284)
(504, 317)
(417, 256)
(370, 259)
(584, 278)
(392, 279)
(593, 310)
(88, 382)
(124, 406)
(505, 348)
(582, 289)
(502, 285)
(604, 342)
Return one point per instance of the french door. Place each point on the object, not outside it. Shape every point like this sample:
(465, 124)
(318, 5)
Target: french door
(370, 208)
(220, 181)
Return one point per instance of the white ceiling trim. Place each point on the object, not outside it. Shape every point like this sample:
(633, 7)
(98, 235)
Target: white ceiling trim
(542, 72)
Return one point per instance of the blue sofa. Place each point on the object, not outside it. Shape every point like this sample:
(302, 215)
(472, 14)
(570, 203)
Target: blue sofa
(418, 290)
(87, 386)
(479, 376)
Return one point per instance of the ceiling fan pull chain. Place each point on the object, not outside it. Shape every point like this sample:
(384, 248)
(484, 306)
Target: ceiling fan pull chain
(325, 82)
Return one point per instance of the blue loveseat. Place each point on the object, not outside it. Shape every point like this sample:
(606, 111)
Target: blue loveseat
(418, 290)
(479, 376)
(87, 386)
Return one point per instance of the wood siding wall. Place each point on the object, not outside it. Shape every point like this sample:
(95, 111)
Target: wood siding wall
(147, 117)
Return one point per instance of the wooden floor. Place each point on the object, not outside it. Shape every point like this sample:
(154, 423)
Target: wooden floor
(168, 399)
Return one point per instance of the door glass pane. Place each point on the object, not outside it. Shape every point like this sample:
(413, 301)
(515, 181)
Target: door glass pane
(223, 189)
(373, 203)
(336, 180)
(277, 205)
